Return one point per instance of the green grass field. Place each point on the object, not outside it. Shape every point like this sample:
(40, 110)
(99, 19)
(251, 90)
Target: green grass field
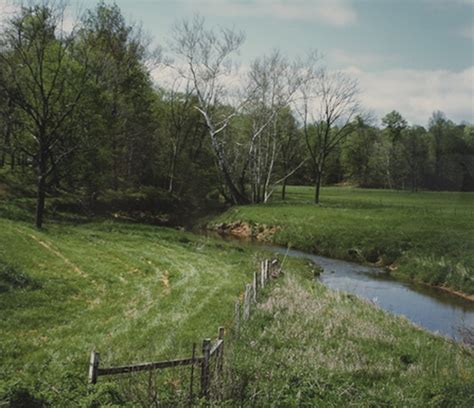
(134, 293)
(426, 236)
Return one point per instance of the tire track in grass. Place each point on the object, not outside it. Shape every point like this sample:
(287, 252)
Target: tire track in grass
(144, 302)
(50, 248)
(193, 297)
(190, 302)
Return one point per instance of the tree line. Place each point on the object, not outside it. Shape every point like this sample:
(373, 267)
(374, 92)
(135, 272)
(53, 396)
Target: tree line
(81, 114)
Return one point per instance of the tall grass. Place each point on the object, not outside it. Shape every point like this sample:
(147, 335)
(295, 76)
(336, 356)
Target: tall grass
(306, 346)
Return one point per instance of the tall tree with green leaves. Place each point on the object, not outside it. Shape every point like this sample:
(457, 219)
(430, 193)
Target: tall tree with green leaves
(394, 125)
(122, 111)
(45, 76)
(415, 148)
(358, 153)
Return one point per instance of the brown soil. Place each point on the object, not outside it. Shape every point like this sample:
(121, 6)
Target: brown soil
(245, 231)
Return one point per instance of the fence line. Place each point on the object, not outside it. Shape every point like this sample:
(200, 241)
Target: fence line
(209, 351)
(268, 270)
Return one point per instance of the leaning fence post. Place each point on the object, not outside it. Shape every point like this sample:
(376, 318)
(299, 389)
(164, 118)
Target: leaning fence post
(246, 313)
(220, 355)
(94, 367)
(206, 348)
(191, 380)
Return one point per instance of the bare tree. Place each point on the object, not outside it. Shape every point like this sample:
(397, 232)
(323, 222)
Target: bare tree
(329, 106)
(44, 76)
(205, 59)
(291, 149)
(274, 83)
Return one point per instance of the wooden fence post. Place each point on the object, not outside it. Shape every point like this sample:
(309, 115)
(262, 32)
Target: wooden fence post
(191, 380)
(246, 313)
(262, 274)
(220, 354)
(206, 349)
(94, 367)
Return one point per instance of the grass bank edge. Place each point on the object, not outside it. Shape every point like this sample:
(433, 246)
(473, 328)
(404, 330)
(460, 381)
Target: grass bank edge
(354, 237)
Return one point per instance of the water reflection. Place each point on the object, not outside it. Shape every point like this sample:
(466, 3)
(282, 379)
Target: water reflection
(433, 309)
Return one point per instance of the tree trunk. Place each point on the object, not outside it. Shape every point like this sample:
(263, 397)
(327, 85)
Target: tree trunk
(172, 169)
(317, 187)
(237, 196)
(283, 190)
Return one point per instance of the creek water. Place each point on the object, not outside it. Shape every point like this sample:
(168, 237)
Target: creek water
(433, 309)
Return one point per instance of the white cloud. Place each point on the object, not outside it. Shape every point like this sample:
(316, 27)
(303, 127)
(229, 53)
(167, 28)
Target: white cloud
(417, 93)
(7, 9)
(345, 58)
(337, 13)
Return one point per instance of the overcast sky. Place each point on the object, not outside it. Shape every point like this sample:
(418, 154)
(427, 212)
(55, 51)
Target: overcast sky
(414, 56)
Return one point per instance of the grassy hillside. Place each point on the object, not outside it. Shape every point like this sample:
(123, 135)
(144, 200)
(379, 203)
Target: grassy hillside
(423, 236)
(134, 293)
(307, 346)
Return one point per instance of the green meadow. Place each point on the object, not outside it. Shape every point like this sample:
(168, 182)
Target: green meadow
(134, 293)
(137, 293)
(425, 236)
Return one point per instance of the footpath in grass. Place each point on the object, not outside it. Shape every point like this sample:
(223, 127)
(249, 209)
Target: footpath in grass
(306, 345)
(134, 293)
(426, 237)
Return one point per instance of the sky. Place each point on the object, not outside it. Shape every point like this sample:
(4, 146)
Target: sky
(413, 56)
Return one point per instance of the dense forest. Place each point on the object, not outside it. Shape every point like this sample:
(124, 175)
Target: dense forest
(82, 118)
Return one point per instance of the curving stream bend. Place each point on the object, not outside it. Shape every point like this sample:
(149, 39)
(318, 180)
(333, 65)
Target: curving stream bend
(430, 308)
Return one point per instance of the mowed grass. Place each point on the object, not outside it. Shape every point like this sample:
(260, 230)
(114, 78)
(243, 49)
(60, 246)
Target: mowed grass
(426, 236)
(134, 293)
(138, 293)
(308, 346)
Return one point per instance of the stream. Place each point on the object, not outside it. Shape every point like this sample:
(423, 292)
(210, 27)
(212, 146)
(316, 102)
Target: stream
(433, 309)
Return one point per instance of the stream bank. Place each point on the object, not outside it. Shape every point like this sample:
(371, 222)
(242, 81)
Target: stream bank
(431, 308)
